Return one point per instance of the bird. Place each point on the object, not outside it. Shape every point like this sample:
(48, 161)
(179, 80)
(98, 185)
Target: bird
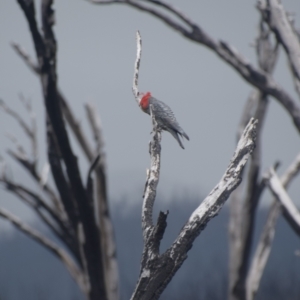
(163, 115)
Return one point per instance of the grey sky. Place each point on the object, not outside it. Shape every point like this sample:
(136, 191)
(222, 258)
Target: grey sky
(96, 53)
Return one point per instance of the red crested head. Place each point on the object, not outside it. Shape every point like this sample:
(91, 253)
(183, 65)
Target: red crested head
(144, 102)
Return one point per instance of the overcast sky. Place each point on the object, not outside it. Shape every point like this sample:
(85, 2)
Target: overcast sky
(96, 53)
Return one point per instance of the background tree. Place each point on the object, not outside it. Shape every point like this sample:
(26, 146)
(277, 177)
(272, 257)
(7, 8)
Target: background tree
(71, 215)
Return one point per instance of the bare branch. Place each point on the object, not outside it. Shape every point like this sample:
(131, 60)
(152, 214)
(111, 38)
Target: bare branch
(31, 168)
(226, 52)
(59, 252)
(173, 10)
(29, 11)
(290, 210)
(67, 111)
(291, 172)
(139, 6)
(230, 179)
(264, 246)
(39, 202)
(92, 168)
(21, 151)
(18, 118)
(157, 270)
(21, 157)
(267, 56)
(274, 14)
(27, 59)
(90, 183)
(135, 89)
(34, 202)
(95, 123)
(33, 137)
(75, 127)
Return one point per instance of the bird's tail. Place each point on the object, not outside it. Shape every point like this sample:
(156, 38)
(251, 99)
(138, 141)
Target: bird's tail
(179, 130)
(183, 134)
(176, 136)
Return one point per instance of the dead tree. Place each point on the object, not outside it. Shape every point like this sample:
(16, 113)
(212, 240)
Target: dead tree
(157, 269)
(75, 216)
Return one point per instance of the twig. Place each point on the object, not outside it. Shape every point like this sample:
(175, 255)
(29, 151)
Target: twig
(39, 201)
(59, 232)
(90, 183)
(95, 124)
(27, 59)
(173, 10)
(21, 157)
(135, 89)
(18, 118)
(75, 126)
(31, 168)
(33, 137)
(20, 149)
(67, 111)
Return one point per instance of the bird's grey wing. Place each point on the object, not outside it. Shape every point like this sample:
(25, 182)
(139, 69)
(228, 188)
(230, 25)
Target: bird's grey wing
(163, 113)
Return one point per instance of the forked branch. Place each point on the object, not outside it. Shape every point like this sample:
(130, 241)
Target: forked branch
(158, 269)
